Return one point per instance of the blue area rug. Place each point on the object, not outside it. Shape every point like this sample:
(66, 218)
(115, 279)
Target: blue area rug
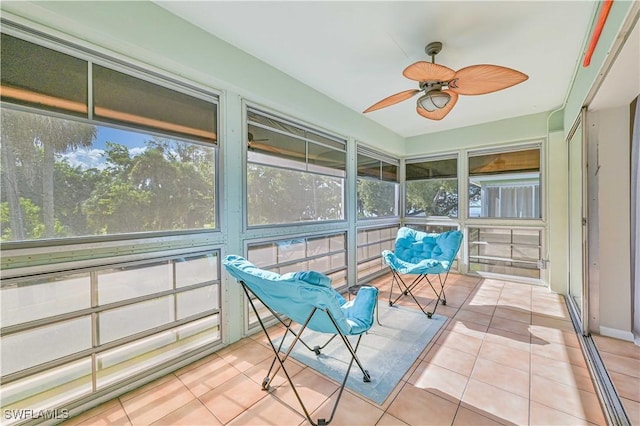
(386, 351)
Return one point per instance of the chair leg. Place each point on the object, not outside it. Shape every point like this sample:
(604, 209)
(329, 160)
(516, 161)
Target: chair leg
(441, 297)
(404, 288)
(408, 290)
(297, 338)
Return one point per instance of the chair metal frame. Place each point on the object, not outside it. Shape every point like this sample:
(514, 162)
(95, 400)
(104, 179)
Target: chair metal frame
(408, 289)
(280, 359)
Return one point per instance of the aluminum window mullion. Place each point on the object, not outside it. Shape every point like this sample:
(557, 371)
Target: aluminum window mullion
(95, 330)
(90, 90)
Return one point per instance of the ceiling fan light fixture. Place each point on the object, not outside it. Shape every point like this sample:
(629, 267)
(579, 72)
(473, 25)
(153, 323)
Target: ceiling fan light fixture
(434, 100)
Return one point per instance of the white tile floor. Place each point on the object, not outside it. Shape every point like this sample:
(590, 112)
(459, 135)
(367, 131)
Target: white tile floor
(507, 355)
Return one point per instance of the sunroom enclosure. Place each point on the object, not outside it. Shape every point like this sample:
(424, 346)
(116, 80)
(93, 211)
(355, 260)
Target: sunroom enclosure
(113, 242)
(130, 170)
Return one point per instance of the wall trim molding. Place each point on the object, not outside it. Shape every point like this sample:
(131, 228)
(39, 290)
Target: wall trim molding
(617, 334)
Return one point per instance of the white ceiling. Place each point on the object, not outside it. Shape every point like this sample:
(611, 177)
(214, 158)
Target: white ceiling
(354, 52)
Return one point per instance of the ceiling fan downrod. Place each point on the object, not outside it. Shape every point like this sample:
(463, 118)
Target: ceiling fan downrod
(432, 49)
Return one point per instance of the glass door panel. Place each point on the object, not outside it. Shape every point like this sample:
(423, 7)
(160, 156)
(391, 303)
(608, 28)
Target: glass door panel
(576, 223)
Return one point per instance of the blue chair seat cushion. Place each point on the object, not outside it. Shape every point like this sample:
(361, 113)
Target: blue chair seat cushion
(424, 266)
(295, 294)
(417, 252)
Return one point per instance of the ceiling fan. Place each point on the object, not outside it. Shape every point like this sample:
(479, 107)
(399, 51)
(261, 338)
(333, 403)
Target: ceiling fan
(442, 85)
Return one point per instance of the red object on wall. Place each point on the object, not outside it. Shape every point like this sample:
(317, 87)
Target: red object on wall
(604, 12)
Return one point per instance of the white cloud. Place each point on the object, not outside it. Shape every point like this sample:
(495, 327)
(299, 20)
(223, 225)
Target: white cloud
(137, 150)
(85, 159)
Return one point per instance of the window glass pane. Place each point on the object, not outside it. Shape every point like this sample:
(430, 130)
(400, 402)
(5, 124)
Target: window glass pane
(506, 251)
(321, 264)
(368, 166)
(120, 97)
(432, 169)
(505, 162)
(389, 172)
(197, 301)
(278, 196)
(433, 197)
(259, 122)
(44, 297)
(378, 169)
(339, 145)
(264, 122)
(39, 345)
(505, 185)
(377, 198)
(36, 76)
(293, 174)
(289, 250)
(196, 270)
(316, 246)
(117, 323)
(72, 179)
(124, 361)
(326, 160)
(48, 390)
(338, 278)
(263, 254)
(338, 242)
(273, 144)
(432, 228)
(134, 281)
(319, 253)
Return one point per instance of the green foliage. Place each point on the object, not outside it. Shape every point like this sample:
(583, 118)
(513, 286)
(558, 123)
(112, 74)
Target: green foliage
(160, 189)
(169, 185)
(434, 197)
(31, 216)
(376, 198)
(287, 196)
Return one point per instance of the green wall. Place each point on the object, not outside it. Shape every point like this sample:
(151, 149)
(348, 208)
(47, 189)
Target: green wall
(495, 133)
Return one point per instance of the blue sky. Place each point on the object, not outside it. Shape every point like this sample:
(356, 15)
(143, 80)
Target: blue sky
(93, 157)
(123, 137)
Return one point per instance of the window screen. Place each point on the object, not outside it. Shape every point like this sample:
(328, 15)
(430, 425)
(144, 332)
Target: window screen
(432, 187)
(377, 185)
(40, 77)
(294, 173)
(121, 97)
(505, 184)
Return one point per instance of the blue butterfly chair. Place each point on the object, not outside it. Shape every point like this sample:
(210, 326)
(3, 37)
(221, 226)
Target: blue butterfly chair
(306, 298)
(421, 254)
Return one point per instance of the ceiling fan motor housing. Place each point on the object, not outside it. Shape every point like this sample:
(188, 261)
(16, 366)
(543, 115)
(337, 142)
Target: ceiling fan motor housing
(433, 48)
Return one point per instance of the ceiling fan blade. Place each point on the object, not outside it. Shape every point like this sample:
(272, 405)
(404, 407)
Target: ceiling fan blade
(439, 114)
(393, 99)
(482, 79)
(426, 71)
